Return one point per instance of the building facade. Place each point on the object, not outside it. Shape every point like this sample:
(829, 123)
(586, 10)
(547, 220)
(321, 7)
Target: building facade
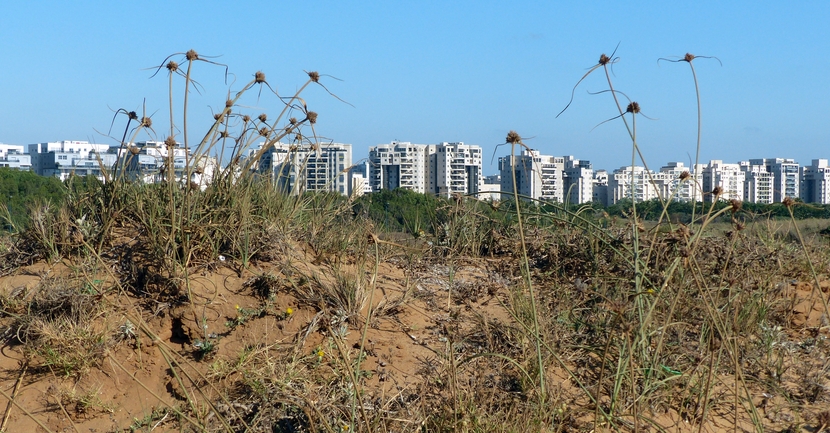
(815, 182)
(538, 177)
(300, 168)
(14, 156)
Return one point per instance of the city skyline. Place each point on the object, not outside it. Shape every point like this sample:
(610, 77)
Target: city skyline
(429, 73)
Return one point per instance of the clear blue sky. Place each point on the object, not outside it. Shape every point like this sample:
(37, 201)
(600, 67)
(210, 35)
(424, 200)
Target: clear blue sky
(429, 71)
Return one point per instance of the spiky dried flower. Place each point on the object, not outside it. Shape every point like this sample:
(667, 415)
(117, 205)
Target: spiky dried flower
(513, 137)
(172, 66)
(224, 134)
(132, 115)
(228, 103)
(633, 108)
(717, 191)
(312, 117)
(246, 118)
(134, 150)
(263, 118)
(739, 225)
(689, 57)
(788, 202)
(146, 122)
(170, 142)
(259, 77)
(191, 55)
(314, 76)
(263, 132)
(217, 116)
(685, 175)
(292, 120)
(603, 59)
(736, 205)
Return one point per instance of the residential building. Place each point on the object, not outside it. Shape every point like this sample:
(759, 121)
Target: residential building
(300, 168)
(815, 182)
(577, 181)
(538, 177)
(673, 185)
(64, 158)
(399, 165)
(599, 189)
(14, 156)
(454, 168)
(758, 183)
(491, 188)
(633, 182)
(785, 174)
(729, 177)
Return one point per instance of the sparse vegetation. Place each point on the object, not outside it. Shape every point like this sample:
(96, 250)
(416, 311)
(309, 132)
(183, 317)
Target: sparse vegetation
(236, 307)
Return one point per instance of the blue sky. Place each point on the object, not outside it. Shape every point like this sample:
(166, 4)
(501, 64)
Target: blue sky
(428, 72)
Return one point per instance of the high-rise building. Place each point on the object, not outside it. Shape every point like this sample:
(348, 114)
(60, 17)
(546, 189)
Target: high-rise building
(729, 177)
(300, 168)
(399, 165)
(538, 177)
(758, 183)
(634, 183)
(454, 168)
(785, 174)
(815, 182)
(677, 186)
(578, 184)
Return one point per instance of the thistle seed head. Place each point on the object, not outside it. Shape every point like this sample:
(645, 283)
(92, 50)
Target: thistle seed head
(312, 117)
(146, 122)
(191, 55)
(513, 137)
(217, 116)
(134, 150)
(263, 132)
(228, 103)
(314, 76)
(170, 142)
(603, 59)
(736, 205)
(263, 118)
(292, 120)
(685, 175)
(224, 134)
(633, 108)
(246, 118)
(172, 66)
(689, 57)
(717, 191)
(259, 77)
(132, 115)
(788, 202)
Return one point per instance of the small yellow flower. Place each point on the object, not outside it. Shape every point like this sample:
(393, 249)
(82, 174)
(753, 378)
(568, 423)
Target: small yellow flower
(289, 311)
(320, 353)
(237, 307)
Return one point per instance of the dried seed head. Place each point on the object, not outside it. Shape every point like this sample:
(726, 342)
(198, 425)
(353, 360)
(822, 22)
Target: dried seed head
(373, 239)
(263, 118)
(198, 170)
(224, 134)
(146, 122)
(314, 76)
(134, 150)
(603, 59)
(739, 226)
(170, 142)
(312, 117)
(717, 191)
(513, 137)
(788, 201)
(246, 118)
(191, 55)
(217, 116)
(172, 66)
(259, 77)
(685, 175)
(132, 115)
(194, 185)
(689, 57)
(292, 120)
(228, 103)
(736, 205)
(263, 132)
(298, 137)
(633, 108)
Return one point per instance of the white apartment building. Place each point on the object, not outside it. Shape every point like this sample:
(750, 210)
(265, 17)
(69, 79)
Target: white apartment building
(785, 174)
(538, 177)
(490, 188)
(400, 165)
(455, 168)
(635, 183)
(300, 168)
(758, 183)
(729, 177)
(64, 158)
(578, 181)
(147, 161)
(815, 182)
(672, 187)
(599, 190)
(14, 156)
